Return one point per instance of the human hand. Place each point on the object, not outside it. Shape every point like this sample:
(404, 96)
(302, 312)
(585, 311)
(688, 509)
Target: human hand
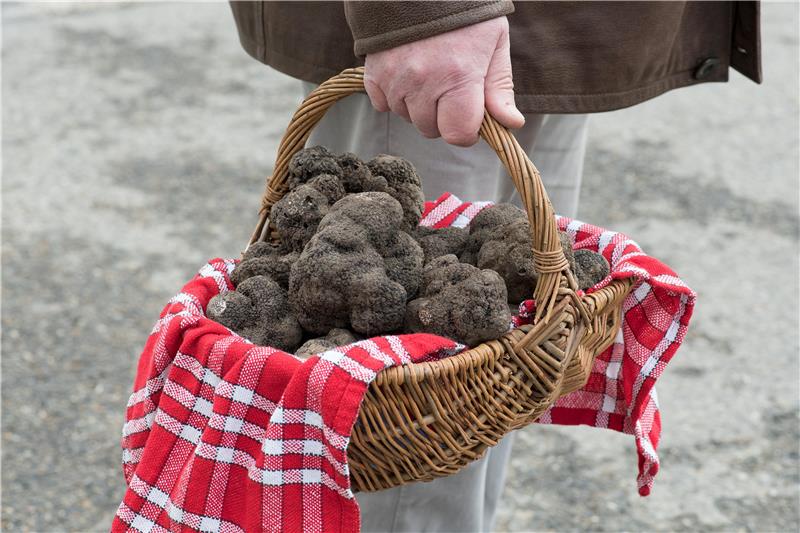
(441, 84)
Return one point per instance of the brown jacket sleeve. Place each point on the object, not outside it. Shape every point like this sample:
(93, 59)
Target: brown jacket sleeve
(379, 26)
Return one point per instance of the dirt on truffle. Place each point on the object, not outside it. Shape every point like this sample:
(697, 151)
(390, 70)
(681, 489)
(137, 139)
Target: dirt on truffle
(460, 301)
(590, 268)
(310, 162)
(256, 310)
(264, 259)
(436, 242)
(403, 184)
(297, 215)
(335, 337)
(358, 270)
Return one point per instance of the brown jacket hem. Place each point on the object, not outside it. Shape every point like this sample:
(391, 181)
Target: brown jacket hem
(291, 66)
(602, 102)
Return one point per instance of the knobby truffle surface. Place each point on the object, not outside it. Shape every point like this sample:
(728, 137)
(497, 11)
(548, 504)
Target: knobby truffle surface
(500, 240)
(297, 215)
(335, 337)
(436, 242)
(329, 185)
(258, 310)
(508, 252)
(590, 268)
(483, 224)
(264, 259)
(358, 270)
(357, 177)
(310, 162)
(461, 302)
(403, 184)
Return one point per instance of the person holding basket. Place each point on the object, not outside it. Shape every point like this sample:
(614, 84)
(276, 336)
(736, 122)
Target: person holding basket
(432, 69)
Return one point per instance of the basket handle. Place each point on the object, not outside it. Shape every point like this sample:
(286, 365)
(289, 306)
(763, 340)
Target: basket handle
(549, 259)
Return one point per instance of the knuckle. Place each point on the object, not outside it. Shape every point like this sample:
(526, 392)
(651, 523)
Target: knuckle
(415, 72)
(459, 74)
(503, 84)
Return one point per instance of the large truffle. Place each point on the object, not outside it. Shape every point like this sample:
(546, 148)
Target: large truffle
(264, 259)
(297, 215)
(436, 242)
(483, 224)
(461, 302)
(258, 310)
(358, 270)
(335, 337)
(507, 251)
(590, 268)
(499, 239)
(311, 162)
(403, 184)
(357, 177)
(329, 185)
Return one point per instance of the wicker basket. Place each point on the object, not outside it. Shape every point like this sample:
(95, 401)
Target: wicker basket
(428, 420)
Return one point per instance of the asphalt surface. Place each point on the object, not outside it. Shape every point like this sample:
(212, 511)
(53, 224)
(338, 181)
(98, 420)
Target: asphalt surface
(135, 141)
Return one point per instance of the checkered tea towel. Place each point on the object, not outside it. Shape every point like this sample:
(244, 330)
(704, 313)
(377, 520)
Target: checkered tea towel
(223, 435)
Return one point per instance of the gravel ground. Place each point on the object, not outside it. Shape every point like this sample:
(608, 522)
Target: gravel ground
(126, 125)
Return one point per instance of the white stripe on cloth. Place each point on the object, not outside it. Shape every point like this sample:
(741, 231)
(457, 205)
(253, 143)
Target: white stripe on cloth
(162, 501)
(441, 211)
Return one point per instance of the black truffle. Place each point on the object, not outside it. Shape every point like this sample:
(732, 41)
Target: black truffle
(297, 215)
(311, 162)
(566, 247)
(461, 302)
(335, 337)
(499, 239)
(590, 268)
(483, 224)
(507, 251)
(357, 177)
(258, 310)
(358, 269)
(263, 259)
(403, 184)
(329, 185)
(443, 241)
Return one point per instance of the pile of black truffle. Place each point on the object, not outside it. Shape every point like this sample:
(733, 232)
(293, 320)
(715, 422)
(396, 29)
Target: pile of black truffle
(353, 262)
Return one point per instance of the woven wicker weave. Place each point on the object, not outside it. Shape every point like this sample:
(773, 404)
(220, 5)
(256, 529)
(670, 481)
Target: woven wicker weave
(427, 420)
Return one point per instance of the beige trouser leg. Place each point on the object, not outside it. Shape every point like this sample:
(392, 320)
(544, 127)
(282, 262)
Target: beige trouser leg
(466, 501)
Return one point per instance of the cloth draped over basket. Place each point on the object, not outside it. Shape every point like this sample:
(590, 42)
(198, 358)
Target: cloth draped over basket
(223, 435)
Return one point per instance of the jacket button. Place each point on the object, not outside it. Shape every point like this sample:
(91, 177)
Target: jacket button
(705, 68)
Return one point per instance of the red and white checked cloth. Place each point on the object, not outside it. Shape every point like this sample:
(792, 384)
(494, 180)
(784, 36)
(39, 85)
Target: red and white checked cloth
(223, 435)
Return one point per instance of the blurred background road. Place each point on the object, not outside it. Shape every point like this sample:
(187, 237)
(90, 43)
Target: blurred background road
(135, 141)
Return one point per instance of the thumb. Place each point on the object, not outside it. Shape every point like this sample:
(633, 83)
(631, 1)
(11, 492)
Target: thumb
(499, 87)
